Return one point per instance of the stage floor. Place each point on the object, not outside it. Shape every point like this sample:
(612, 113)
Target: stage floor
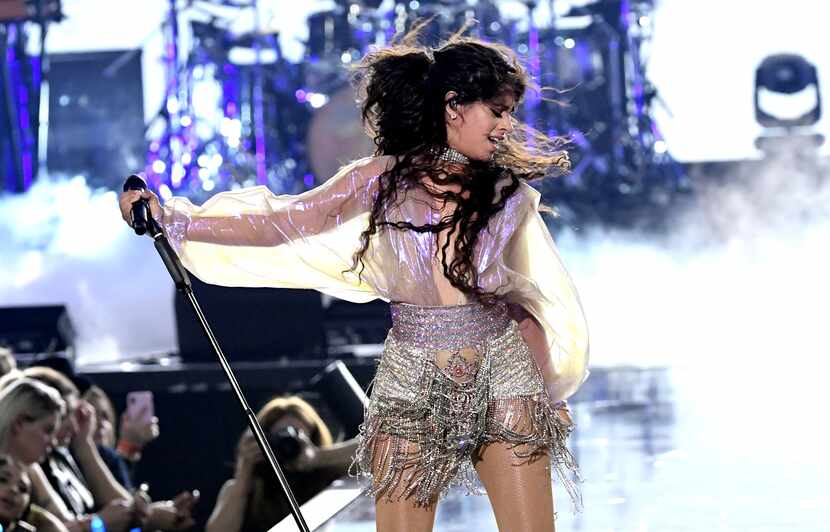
(661, 455)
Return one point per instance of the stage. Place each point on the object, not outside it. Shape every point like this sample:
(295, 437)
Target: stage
(681, 454)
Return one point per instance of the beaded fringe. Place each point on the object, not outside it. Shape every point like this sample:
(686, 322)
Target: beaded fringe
(425, 437)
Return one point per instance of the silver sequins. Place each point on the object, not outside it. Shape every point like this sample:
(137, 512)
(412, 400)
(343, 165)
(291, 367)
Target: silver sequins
(426, 420)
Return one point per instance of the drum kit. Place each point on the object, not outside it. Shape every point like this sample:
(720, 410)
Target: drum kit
(244, 114)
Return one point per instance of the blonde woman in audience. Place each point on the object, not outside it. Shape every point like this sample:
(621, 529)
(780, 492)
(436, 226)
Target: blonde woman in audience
(252, 501)
(79, 488)
(29, 417)
(7, 361)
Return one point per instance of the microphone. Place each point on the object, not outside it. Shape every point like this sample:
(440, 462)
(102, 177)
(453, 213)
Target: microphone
(141, 209)
(144, 222)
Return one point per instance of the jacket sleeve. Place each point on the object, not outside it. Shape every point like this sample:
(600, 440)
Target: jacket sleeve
(254, 238)
(557, 333)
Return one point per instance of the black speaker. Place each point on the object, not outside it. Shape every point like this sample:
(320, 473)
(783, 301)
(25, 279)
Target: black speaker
(96, 115)
(251, 324)
(36, 329)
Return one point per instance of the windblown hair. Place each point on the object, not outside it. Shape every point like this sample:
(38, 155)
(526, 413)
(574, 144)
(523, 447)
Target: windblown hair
(403, 89)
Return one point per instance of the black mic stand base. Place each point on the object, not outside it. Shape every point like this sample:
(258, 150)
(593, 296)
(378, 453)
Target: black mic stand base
(183, 285)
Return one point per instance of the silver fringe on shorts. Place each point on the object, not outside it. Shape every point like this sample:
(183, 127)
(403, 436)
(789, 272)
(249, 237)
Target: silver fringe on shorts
(449, 380)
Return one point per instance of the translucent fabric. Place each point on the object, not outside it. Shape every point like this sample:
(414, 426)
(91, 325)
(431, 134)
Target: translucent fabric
(254, 238)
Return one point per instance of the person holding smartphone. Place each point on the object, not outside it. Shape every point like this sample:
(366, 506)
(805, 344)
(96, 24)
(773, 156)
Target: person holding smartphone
(77, 485)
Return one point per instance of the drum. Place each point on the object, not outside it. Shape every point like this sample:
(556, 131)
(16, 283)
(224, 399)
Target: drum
(336, 135)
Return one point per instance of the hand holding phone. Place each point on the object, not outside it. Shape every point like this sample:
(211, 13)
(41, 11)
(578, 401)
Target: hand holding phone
(139, 425)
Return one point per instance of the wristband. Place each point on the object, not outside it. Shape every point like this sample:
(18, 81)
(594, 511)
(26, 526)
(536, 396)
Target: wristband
(128, 450)
(96, 524)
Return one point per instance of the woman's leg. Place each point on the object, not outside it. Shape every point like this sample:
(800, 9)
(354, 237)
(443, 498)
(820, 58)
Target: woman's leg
(403, 516)
(393, 512)
(519, 489)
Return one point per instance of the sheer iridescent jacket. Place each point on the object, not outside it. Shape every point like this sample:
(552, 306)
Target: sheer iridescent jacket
(254, 238)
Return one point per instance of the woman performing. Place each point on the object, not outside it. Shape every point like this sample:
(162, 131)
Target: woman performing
(488, 336)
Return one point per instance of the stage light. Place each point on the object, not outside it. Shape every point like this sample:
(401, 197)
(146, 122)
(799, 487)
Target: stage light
(177, 174)
(787, 92)
(165, 192)
(317, 100)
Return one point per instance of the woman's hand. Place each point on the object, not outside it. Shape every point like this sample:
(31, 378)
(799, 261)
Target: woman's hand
(85, 421)
(127, 198)
(248, 456)
(117, 515)
(174, 515)
(140, 430)
(562, 411)
(141, 505)
(307, 459)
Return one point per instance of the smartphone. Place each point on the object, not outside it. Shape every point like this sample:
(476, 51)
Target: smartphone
(140, 406)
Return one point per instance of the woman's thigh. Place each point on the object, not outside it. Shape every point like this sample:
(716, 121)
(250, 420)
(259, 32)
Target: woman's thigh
(520, 489)
(394, 511)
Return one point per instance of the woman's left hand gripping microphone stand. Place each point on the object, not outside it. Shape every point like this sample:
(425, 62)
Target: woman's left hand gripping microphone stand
(144, 223)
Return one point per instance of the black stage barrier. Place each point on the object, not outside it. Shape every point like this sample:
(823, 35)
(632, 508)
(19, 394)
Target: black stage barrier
(253, 324)
(264, 324)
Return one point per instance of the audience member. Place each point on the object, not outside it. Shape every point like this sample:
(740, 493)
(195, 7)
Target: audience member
(15, 492)
(104, 437)
(30, 413)
(252, 500)
(7, 361)
(119, 509)
(79, 486)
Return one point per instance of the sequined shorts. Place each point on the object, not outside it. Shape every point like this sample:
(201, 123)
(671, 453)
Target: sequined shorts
(451, 379)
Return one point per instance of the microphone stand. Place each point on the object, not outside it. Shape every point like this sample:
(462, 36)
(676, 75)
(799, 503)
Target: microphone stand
(183, 285)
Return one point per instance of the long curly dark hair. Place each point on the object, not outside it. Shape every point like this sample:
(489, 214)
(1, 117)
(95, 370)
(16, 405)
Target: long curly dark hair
(403, 89)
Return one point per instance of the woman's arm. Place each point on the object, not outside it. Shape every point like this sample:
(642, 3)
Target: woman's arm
(43, 521)
(229, 512)
(530, 328)
(338, 455)
(254, 219)
(100, 481)
(46, 496)
(257, 217)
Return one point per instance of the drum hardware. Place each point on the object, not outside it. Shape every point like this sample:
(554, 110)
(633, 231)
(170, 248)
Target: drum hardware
(309, 122)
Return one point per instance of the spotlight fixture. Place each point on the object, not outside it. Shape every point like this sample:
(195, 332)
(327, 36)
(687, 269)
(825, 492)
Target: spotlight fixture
(787, 92)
